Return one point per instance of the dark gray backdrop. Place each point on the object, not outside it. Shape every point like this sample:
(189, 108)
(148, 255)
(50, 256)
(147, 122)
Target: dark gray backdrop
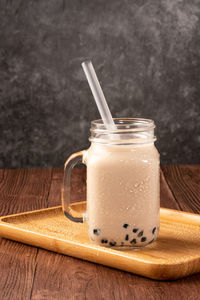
(146, 54)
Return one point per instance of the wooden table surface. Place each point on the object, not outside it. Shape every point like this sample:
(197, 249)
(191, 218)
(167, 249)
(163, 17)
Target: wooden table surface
(31, 273)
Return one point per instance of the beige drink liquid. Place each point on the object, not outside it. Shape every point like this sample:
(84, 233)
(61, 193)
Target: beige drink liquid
(123, 187)
(123, 197)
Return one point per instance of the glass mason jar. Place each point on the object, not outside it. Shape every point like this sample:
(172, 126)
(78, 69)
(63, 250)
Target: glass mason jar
(123, 184)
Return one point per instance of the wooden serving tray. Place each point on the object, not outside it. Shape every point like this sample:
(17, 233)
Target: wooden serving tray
(175, 254)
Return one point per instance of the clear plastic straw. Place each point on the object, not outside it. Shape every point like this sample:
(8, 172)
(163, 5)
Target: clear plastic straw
(98, 95)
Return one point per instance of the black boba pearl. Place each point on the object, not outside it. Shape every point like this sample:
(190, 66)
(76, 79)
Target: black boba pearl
(104, 241)
(143, 239)
(96, 231)
(140, 233)
(127, 237)
(122, 243)
(135, 230)
(112, 243)
(133, 241)
(125, 225)
(154, 229)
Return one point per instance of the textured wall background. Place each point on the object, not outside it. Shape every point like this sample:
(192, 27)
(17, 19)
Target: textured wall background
(146, 54)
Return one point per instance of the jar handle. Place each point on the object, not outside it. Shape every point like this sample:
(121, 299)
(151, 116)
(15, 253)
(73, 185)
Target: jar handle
(73, 212)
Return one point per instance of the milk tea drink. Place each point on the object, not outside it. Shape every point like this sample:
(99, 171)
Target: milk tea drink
(123, 194)
(123, 187)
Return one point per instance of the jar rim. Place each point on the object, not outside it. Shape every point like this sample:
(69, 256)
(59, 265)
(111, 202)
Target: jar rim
(135, 124)
(126, 131)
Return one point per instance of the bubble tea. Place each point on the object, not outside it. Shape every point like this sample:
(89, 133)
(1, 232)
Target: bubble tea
(123, 195)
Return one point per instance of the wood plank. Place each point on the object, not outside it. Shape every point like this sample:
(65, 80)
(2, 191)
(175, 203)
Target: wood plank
(69, 278)
(17, 265)
(20, 190)
(54, 197)
(184, 182)
(78, 185)
(63, 277)
(24, 190)
(167, 199)
(138, 288)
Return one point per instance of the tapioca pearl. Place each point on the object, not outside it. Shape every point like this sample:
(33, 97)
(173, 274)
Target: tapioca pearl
(133, 241)
(127, 237)
(112, 243)
(135, 230)
(96, 231)
(125, 225)
(140, 233)
(143, 239)
(104, 241)
(122, 243)
(154, 229)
